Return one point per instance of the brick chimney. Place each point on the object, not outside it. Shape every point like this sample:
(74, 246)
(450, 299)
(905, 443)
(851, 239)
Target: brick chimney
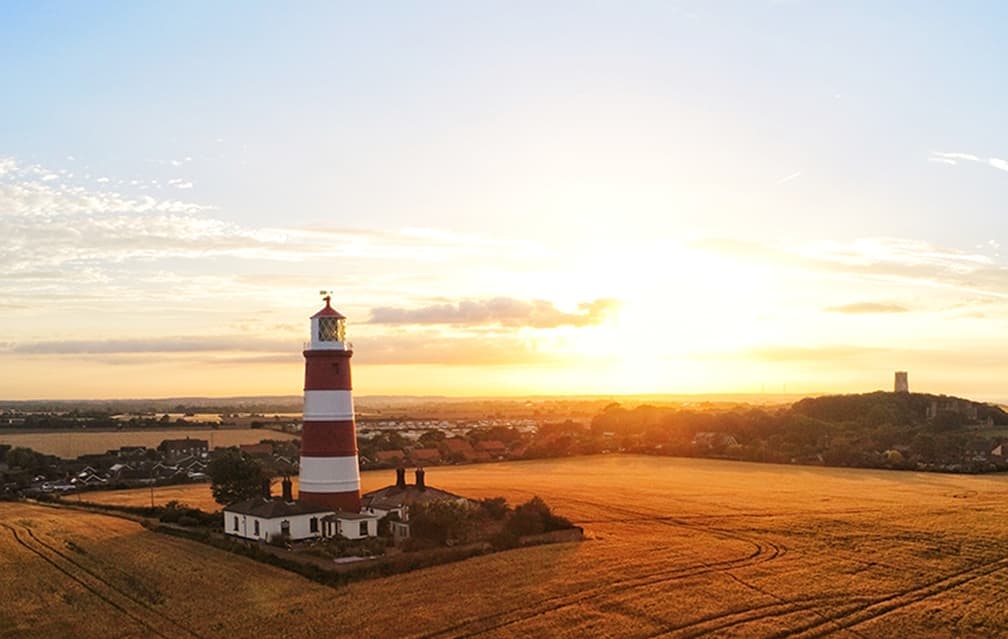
(267, 493)
(420, 479)
(400, 478)
(288, 490)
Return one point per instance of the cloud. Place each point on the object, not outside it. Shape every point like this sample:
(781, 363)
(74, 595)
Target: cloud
(168, 344)
(23, 192)
(427, 348)
(788, 178)
(69, 227)
(998, 163)
(850, 356)
(856, 308)
(502, 311)
(376, 350)
(955, 158)
(817, 354)
(900, 261)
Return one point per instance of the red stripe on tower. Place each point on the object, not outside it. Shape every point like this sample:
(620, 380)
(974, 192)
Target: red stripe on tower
(329, 473)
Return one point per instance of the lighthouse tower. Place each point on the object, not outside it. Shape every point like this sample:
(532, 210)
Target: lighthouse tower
(329, 472)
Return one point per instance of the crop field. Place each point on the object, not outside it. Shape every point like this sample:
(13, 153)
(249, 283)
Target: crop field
(71, 444)
(674, 548)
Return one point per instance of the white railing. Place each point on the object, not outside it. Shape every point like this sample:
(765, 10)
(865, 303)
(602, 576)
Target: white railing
(328, 346)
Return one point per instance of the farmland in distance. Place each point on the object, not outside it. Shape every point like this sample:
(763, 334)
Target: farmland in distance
(71, 444)
(675, 548)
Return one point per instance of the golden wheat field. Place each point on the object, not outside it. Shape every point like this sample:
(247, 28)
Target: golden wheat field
(675, 548)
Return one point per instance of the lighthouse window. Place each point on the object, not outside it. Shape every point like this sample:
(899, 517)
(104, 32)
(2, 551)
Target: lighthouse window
(330, 329)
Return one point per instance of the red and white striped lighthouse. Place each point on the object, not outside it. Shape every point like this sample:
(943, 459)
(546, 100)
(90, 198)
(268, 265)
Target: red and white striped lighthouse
(329, 473)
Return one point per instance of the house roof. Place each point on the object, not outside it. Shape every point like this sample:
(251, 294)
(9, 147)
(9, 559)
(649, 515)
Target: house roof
(183, 443)
(492, 445)
(425, 454)
(388, 455)
(392, 496)
(458, 445)
(273, 508)
(345, 516)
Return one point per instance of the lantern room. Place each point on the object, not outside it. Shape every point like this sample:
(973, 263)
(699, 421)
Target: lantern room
(328, 329)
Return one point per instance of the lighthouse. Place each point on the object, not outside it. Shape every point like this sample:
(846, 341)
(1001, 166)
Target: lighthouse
(329, 472)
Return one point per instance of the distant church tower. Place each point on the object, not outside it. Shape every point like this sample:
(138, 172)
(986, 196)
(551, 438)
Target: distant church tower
(329, 472)
(902, 385)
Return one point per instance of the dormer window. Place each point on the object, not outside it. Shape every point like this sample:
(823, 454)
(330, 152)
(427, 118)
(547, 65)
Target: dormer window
(331, 329)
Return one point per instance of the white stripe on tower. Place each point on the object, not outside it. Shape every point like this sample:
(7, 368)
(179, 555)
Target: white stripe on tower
(328, 405)
(329, 474)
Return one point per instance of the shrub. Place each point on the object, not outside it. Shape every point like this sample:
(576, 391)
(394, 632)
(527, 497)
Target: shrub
(495, 507)
(441, 522)
(534, 517)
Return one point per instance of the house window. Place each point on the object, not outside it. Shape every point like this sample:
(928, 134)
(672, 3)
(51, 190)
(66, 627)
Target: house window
(256, 527)
(236, 523)
(363, 529)
(285, 528)
(313, 525)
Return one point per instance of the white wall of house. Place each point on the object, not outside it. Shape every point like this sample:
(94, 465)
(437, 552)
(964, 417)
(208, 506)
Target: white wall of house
(244, 526)
(357, 528)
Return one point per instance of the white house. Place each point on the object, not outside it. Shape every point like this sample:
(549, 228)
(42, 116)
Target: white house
(398, 498)
(264, 519)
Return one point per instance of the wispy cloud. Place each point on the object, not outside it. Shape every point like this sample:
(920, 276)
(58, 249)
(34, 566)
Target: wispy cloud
(33, 190)
(788, 178)
(955, 158)
(64, 225)
(901, 261)
(858, 308)
(502, 311)
(872, 357)
(387, 349)
(161, 344)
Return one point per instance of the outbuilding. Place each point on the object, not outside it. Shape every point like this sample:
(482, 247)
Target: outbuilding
(350, 525)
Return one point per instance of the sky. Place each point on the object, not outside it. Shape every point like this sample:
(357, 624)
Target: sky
(505, 198)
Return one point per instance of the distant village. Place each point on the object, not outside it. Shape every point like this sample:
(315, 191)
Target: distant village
(382, 444)
(899, 430)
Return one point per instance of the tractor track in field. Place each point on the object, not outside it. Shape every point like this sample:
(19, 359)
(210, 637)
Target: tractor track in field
(731, 619)
(882, 606)
(95, 583)
(763, 551)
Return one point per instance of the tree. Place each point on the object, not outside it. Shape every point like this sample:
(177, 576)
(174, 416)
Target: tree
(25, 459)
(431, 438)
(235, 477)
